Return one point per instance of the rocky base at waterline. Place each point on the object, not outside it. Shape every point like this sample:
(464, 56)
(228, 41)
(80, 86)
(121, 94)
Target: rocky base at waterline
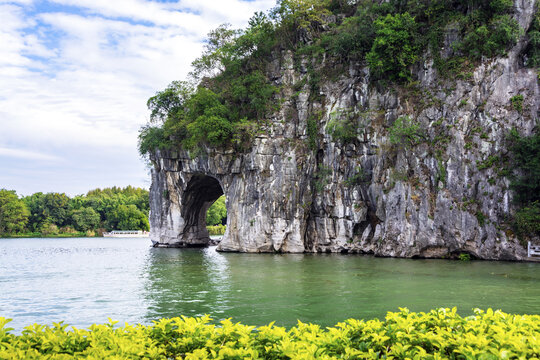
(301, 188)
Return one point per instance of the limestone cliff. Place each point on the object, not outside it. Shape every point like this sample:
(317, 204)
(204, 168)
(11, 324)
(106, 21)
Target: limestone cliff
(299, 189)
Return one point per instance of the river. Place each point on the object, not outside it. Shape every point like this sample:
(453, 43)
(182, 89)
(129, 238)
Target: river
(87, 280)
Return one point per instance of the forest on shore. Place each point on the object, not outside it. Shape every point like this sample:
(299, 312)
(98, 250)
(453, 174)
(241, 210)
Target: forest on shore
(99, 210)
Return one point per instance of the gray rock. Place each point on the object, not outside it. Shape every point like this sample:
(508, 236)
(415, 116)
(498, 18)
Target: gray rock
(430, 200)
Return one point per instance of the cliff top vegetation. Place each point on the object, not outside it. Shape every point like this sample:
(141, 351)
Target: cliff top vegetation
(229, 95)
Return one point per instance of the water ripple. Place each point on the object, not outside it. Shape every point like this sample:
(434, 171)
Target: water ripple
(83, 281)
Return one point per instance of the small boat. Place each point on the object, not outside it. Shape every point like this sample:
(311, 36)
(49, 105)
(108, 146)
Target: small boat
(126, 233)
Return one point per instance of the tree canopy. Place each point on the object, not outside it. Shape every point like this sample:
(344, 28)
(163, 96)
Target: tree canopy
(217, 213)
(99, 210)
(525, 152)
(13, 213)
(112, 208)
(230, 94)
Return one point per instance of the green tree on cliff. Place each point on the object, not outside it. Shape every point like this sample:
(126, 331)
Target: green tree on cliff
(236, 79)
(394, 49)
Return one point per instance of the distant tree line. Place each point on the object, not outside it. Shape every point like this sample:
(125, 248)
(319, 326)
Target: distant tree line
(99, 210)
(56, 213)
(217, 213)
(525, 181)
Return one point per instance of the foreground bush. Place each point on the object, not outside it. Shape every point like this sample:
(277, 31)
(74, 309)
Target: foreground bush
(439, 334)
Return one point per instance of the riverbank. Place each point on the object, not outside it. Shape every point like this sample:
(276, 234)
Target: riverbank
(33, 235)
(438, 334)
(212, 230)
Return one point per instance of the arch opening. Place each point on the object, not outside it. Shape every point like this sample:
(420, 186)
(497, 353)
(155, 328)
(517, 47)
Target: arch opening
(201, 192)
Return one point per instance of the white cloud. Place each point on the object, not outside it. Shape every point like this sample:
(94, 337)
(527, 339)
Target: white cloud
(75, 81)
(236, 12)
(27, 154)
(26, 2)
(161, 14)
(192, 16)
(13, 44)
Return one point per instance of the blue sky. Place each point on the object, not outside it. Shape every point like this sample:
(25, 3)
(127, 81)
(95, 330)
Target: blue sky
(74, 79)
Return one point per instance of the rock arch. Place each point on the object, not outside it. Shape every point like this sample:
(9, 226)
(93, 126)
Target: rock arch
(183, 202)
(262, 199)
(201, 192)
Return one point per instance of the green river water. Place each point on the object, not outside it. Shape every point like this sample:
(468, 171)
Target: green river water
(87, 280)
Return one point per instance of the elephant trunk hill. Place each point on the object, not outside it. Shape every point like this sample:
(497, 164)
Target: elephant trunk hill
(411, 168)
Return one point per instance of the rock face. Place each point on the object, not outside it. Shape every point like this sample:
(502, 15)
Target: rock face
(299, 189)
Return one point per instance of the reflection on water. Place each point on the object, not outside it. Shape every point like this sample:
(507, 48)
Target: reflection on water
(260, 288)
(189, 282)
(84, 281)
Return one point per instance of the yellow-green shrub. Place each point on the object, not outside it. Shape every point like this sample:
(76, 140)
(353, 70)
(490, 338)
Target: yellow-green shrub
(439, 334)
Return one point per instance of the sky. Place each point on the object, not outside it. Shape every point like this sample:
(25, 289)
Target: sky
(75, 76)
